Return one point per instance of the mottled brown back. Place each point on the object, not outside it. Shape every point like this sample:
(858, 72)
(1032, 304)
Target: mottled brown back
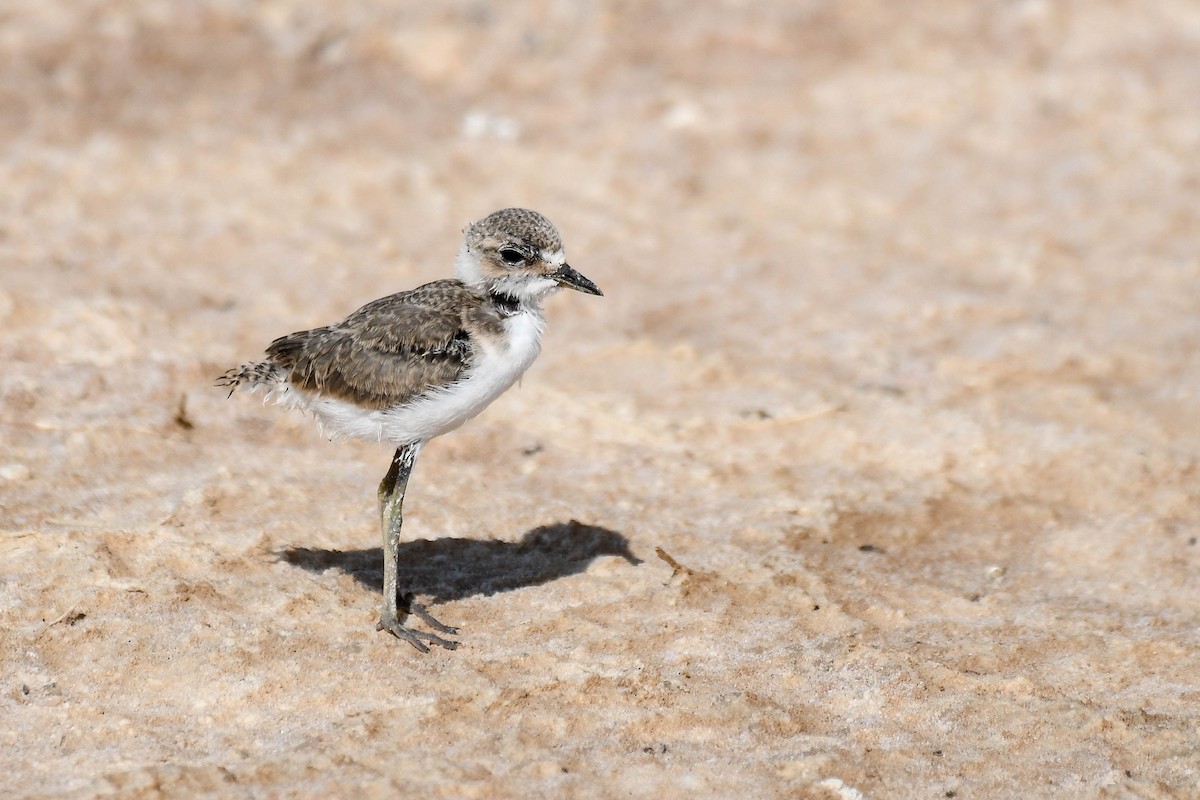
(390, 350)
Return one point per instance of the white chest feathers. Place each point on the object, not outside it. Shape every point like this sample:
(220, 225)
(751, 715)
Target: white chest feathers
(496, 365)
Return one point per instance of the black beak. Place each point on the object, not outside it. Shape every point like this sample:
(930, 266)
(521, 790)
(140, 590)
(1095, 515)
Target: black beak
(565, 276)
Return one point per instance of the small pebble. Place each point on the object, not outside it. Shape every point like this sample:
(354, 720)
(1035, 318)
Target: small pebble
(15, 472)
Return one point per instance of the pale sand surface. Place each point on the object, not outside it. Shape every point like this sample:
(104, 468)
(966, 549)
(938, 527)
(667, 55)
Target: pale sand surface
(899, 357)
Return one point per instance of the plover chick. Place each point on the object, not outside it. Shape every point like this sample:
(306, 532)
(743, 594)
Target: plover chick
(414, 365)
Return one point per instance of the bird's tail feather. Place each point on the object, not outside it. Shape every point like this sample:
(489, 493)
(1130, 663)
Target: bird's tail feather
(256, 375)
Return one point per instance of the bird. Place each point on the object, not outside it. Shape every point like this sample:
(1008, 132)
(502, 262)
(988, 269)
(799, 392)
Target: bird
(417, 364)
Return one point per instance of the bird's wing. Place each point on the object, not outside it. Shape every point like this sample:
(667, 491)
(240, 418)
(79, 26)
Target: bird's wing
(386, 353)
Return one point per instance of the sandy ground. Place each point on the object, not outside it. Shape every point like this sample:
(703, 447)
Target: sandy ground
(898, 360)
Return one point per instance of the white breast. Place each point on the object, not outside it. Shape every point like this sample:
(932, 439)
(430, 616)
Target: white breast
(497, 365)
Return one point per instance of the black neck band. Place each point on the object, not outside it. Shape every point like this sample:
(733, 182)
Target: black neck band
(506, 304)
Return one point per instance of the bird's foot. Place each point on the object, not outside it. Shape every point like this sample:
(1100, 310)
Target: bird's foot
(420, 613)
(414, 637)
(417, 639)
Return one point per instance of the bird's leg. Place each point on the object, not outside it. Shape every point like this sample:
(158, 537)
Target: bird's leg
(391, 504)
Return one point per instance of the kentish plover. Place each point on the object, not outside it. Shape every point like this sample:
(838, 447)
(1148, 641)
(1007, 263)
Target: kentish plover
(414, 365)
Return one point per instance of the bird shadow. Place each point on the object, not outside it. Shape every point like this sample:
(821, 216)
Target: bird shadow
(450, 569)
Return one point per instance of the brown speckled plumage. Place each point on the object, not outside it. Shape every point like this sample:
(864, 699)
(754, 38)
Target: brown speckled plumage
(390, 350)
(534, 228)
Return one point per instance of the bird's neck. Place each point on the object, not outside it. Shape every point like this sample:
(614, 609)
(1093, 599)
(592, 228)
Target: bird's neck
(506, 305)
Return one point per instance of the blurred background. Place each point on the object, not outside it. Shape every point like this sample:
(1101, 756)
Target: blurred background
(897, 355)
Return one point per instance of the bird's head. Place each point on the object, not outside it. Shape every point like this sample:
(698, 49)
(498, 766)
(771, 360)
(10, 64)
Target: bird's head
(517, 252)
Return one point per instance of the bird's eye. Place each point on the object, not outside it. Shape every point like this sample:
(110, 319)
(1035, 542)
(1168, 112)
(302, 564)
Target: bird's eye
(512, 255)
